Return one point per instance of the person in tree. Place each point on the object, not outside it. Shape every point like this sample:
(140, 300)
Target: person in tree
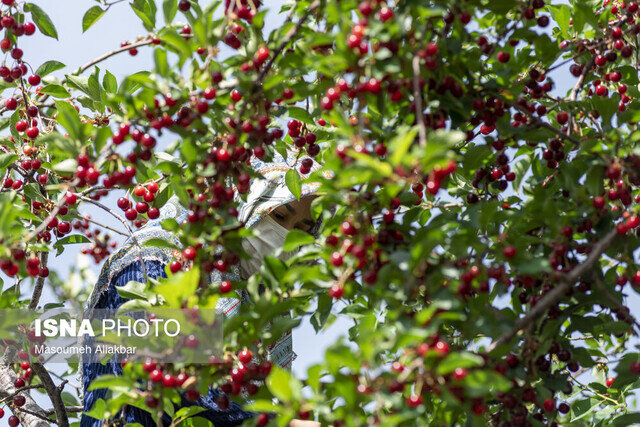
(270, 210)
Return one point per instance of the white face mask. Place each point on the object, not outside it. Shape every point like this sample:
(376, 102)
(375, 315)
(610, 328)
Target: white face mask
(269, 237)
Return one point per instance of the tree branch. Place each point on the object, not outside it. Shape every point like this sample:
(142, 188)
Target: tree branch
(7, 390)
(576, 88)
(55, 394)
(546, 125)
(422, 131)
(37, 290)
(558, 292)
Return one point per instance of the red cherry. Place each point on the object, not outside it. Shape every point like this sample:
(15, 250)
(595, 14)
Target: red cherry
(168, 380)
(192, 341)
(175, 266)
(509, 251)
(245, 356)
(189, 253)
(124, 203)
(459, 373)
(598, 202)
(601, 90)
(236, 96)
(151, 402)
(19, 400)
(131, 214)
(156, 376)
(414, 400)
(192, 395)
(225, 287)
(549, 405)
(610, 381)
(149, 366)
(336, 259)
(209, 93)
(13, 421)
(441, 347)
(385, 14)
(562, 117)
(263, 420)
(336, 291)
(503, 57)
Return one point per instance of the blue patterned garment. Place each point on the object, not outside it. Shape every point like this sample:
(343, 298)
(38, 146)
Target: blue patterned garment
(233, 416)
(264, 195)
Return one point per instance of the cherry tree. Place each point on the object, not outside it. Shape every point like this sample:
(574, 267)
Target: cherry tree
(479, 219)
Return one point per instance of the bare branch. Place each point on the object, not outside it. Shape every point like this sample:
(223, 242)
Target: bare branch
(55, 394)
(576, 88)
(37, 290)
(7, 378)
(422, 131)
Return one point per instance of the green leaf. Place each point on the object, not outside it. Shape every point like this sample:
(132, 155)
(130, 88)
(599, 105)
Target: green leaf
(95, 91)
(459, 360)
(627, 419)
(169, 9)
(179, 287)
(160, 58)
(109, 82)
(66, 166)
(300, 114)
(49, 67)
(69, 118)
(56, 91)
(146, 12)
(294, 182)
(6, 159)
(69, 240)
(114, 382)
(91, 16)
(263, 405)
(296, 238)
(399, 145)
(68, 398)
(42, 20)
(15, 117)
(188, 411)
(79, 82)
(173, 40)
(283, 385)
(133, 290)
(98, 410)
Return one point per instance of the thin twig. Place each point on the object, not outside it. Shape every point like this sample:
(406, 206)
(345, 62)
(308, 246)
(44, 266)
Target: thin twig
(52, 214)
(18, 391)
(576, 88)
(621, 308)
(35, 414)
(102, 225)
(126, 225)
(69, 409)
(422, 130)
(558, 292)
(546, 125)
